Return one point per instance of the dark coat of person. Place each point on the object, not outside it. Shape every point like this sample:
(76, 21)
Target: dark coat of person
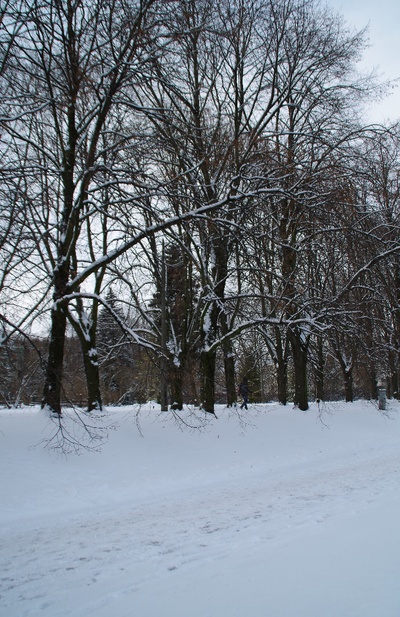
(244, 392)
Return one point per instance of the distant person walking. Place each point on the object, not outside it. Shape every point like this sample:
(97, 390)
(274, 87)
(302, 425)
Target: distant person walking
(244, 392)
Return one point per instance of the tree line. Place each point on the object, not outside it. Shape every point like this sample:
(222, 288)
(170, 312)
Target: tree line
(191, 190)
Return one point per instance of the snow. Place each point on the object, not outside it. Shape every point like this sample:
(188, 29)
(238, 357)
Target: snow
(274, 512)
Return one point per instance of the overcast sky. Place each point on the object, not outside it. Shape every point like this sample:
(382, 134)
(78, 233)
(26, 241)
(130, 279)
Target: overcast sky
(383, 19)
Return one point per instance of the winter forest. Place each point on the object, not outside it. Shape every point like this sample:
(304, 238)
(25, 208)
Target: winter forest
(189, 195)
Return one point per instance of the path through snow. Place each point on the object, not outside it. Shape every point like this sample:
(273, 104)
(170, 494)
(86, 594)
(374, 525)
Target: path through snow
(178, 523)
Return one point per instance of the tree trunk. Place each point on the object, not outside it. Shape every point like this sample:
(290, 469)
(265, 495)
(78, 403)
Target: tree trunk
(299, 351)
(394, 377)
(348, 385)
(91, 364)
(176, 387)
(208, 358)
(373, 381)
(229, 364)
(346, 363)
(371, 368)
(319, 371)
(207, 370)
(88, 342)
(53, 381)
(164, 357)
(281, 376)
(281, 368)
(85, 327)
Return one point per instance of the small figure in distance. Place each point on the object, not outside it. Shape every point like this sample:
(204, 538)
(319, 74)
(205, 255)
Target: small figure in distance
(244, 392)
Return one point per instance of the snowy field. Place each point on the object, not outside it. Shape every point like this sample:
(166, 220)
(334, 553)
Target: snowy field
(273, 513)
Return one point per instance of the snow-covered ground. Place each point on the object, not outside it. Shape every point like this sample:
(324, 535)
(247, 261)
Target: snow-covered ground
(273, 513)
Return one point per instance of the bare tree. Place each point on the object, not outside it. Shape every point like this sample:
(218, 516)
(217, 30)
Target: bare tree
(70, 63)
(217, 87)
(227, 131)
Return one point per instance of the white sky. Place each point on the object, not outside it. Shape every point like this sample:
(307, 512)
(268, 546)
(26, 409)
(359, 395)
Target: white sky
(383, 19)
